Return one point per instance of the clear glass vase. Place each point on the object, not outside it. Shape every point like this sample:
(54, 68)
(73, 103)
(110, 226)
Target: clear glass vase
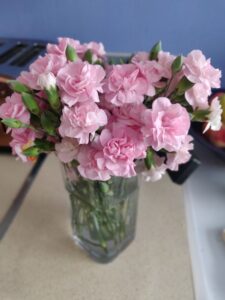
(103, 213)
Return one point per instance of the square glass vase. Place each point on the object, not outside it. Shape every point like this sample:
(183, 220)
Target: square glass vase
(103, 213)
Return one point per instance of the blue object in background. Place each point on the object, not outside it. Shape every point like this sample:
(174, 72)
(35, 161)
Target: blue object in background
(122, 25)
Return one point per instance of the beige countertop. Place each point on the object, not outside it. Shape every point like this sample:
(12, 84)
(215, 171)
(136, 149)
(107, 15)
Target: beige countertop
(39, 261)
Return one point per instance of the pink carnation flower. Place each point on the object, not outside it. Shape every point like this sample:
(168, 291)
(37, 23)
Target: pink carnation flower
(199, 70)
(81, 121)
(67, 150)
(112, 154)
(97, 49)
(124, 85)
(118, 154)
(166, 125)
(120, 132)
(130, 115)
(22, 139)
(181, 156)
(92, 164)
(197, 96)
(15, 109)
(80, 82)
(140, 56)
(29, 79)
(151, 72)
(165, 60)
(120, 146)
(50, 63)
(60, 48)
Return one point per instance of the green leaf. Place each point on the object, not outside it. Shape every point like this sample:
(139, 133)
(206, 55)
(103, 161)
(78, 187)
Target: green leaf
(44, 145)
(74, 163)
(155, 51)
(35, 121)
(71, 54)
(122, 61)
(112, 61)
(99, 62)
(18, 87)
(88, 56)
(13, 123)
(49, 122)
(177, 64)
(200, 115)
(32, 151)
(31, 104)
(179, 99)
(184, 85)
(149, 160)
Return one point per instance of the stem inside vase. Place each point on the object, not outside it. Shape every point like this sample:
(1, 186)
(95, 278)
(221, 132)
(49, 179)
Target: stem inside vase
(103, 213)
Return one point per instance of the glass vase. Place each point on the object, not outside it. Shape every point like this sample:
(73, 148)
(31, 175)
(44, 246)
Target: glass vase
(103, 213)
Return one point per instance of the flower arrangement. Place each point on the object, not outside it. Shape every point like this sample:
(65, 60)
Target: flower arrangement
(108, 116)
(110, 120)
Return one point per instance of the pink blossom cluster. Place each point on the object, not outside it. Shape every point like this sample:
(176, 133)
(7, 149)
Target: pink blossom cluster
(110, 117)
(199, 70)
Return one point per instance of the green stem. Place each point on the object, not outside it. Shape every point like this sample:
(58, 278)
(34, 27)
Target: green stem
(100, 211)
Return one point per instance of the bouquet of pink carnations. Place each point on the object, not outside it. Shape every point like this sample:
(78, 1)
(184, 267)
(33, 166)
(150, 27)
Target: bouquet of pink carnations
(104, 118)
(107, 116)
